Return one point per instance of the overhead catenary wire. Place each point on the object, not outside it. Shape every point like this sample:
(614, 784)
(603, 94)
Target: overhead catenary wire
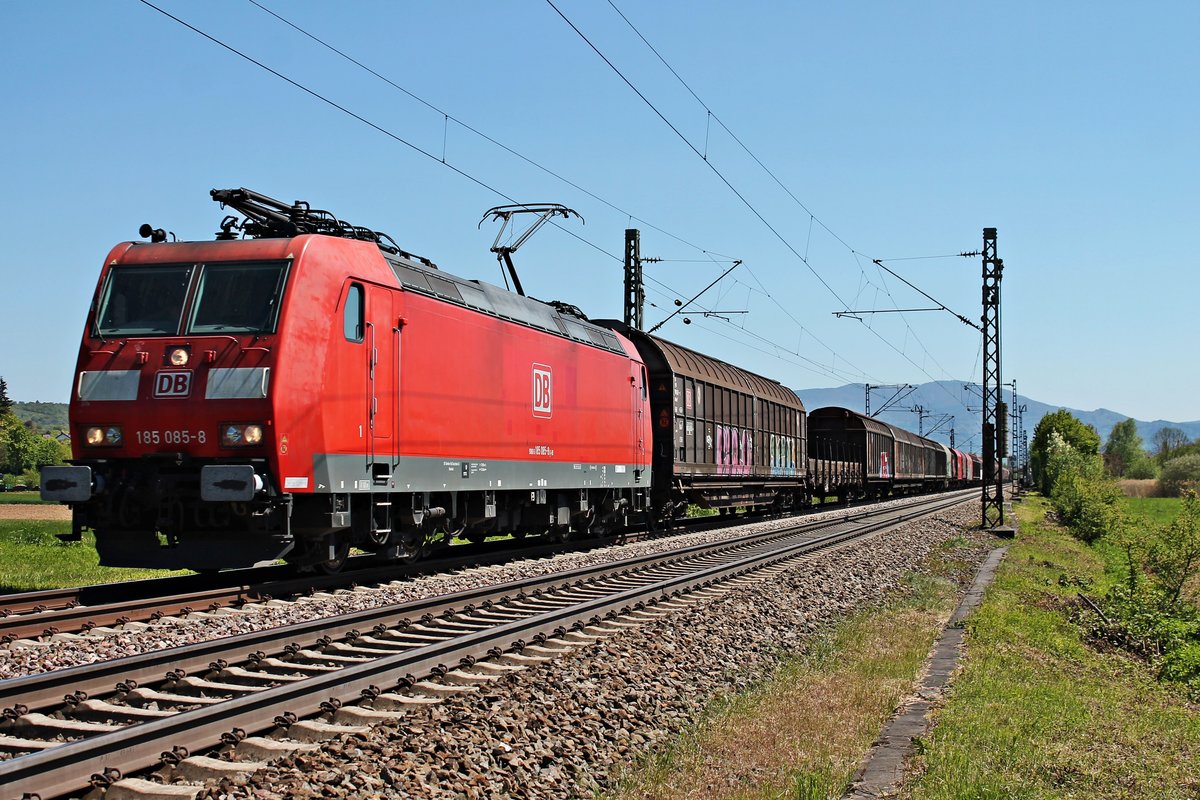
(466, 126)
(446, 116)
(702, 157)
(391, 134)
(812, 217)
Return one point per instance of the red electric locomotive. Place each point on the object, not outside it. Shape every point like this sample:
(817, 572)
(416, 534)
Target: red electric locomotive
(313, 387)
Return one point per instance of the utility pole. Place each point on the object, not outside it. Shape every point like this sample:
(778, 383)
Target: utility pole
(635, 294)
(921, 415)
(1019, 456)
(1012, 424)
(899, 387)
(1024, 454)
(995, 440)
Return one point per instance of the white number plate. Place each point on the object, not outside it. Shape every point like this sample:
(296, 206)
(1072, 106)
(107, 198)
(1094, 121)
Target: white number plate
(171, 437)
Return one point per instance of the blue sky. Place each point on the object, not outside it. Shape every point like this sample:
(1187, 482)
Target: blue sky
(897, 131)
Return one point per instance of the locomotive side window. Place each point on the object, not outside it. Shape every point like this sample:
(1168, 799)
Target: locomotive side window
(238, 298)
(141, 301)
(352, 314)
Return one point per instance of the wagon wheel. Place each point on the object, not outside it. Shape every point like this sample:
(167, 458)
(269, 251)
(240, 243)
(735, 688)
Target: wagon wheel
(557, 533)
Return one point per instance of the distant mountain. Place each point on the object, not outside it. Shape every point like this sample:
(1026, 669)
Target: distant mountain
(951, 398)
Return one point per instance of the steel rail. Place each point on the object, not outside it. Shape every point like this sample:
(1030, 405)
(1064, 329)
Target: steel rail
(139, 746)
(37, 601)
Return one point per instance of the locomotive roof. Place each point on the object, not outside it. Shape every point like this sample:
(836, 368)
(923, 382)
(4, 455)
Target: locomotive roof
(502, 303)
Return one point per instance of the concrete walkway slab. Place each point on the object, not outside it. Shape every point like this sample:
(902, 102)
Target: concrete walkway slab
(883, 769)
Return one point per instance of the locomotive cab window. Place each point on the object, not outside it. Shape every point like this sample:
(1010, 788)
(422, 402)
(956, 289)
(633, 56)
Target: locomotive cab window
(238, 298)
(143, 301)
(352, 314)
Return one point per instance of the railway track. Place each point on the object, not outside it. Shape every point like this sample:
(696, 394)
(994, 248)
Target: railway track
(82, 609)
(327, 676)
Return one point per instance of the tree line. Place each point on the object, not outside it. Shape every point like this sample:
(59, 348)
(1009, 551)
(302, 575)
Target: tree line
(1173, 460)
(23, 447)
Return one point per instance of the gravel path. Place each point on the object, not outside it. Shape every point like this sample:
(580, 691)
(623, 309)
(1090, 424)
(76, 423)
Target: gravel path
(35, 511)
(564, 729)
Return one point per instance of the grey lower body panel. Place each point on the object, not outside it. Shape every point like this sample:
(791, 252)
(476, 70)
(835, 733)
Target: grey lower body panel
(337, 473)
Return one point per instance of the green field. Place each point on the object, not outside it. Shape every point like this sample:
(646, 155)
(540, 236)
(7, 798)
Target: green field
(1155, 510)
(24, 498)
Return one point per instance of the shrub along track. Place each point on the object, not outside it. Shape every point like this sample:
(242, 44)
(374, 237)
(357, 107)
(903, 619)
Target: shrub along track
(320, 667)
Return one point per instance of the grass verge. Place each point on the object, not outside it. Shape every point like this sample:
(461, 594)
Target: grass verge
(1036, 713)
(32, 558)
(802, 733)
(25, 498)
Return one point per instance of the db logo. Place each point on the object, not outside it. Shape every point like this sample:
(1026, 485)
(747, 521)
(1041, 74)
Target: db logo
(543, 388)
(173, 384)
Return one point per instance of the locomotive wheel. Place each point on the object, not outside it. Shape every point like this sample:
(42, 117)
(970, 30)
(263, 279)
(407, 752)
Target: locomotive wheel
(585, 525)
(315, 557)
(332, 566)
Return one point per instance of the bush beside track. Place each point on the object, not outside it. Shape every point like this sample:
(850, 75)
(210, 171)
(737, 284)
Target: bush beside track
(1044, 709)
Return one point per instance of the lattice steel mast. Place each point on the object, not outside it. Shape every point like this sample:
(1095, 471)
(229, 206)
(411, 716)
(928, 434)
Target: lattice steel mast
(994, 441)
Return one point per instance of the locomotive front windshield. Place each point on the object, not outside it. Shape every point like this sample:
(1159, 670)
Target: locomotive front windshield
(143, 301)
(225, 298)
(237, 298)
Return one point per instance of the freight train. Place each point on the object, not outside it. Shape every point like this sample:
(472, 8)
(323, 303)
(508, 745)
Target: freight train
(301, 386)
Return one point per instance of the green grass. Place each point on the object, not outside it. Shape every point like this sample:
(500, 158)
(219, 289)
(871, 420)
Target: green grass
(1036, 713)
(1157, 510)
(32, 558)
(24, 498)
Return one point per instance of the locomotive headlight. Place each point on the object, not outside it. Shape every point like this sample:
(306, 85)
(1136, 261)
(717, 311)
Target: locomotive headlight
(241, 435)
(104, 436)
(178, 356)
